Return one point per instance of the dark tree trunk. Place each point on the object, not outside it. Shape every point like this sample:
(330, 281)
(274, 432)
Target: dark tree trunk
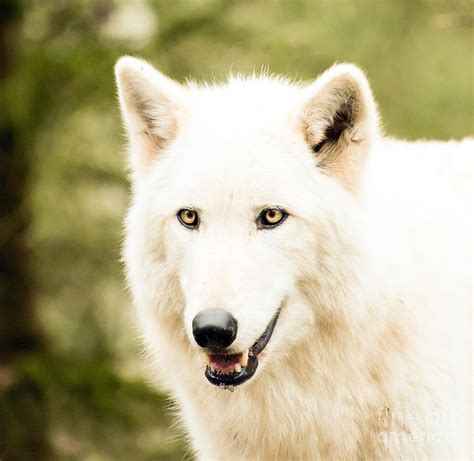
(18, 326)
(22, 405)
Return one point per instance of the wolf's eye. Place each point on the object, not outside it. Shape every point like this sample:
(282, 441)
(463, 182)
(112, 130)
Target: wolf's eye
(188, 218)
(271, 217)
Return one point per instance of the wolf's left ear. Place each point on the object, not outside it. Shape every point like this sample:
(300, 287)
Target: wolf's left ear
(340, 121)
(151, 109)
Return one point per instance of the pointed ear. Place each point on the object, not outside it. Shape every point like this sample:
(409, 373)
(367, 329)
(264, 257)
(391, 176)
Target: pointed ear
(151, 109)
(340, 121)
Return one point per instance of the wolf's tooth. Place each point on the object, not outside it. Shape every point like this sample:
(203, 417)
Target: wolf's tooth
(244, 358)
(238, 368)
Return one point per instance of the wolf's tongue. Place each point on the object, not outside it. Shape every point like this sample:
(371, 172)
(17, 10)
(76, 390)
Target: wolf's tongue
(224, 363)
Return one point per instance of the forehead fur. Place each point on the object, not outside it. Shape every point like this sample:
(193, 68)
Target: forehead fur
(239, 138)
(244, 108)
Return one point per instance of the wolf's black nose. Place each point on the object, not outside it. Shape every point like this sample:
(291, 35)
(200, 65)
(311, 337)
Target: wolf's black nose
(214, 328)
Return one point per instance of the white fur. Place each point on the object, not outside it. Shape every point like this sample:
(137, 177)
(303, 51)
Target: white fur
(370, 358)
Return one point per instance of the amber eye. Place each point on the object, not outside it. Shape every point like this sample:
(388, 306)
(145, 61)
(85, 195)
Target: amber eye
(271, 217)
(188, 218)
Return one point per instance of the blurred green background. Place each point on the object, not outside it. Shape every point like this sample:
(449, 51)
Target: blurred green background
(73, 385)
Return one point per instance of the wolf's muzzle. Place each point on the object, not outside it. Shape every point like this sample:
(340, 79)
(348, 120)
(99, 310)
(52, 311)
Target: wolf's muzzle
(230, 370)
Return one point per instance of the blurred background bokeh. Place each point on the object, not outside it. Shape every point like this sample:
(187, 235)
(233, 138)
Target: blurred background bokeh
(73, 385)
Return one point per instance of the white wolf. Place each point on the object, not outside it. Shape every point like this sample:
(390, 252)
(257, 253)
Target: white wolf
(278, 247)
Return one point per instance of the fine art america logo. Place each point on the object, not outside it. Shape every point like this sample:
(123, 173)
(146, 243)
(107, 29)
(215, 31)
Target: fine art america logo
(402, 428)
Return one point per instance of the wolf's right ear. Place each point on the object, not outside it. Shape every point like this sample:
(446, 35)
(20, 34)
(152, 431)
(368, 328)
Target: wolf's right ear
(151, 108)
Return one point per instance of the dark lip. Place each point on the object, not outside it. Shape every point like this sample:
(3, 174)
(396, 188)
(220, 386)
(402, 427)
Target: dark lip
(229, 381)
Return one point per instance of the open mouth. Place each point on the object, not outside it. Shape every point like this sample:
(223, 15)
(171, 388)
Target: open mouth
(229, 370)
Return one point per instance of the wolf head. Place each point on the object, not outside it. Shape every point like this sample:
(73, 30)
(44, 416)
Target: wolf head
(242, 238)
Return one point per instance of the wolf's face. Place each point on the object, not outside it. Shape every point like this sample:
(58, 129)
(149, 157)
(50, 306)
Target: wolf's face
(234, 192)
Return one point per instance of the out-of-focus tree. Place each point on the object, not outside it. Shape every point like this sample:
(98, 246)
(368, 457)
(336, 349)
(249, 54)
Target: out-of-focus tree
(23, 417)
(18, 326)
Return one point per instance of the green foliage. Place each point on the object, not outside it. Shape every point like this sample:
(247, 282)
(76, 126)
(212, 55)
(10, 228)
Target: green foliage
(417, 55)
(88, 411)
